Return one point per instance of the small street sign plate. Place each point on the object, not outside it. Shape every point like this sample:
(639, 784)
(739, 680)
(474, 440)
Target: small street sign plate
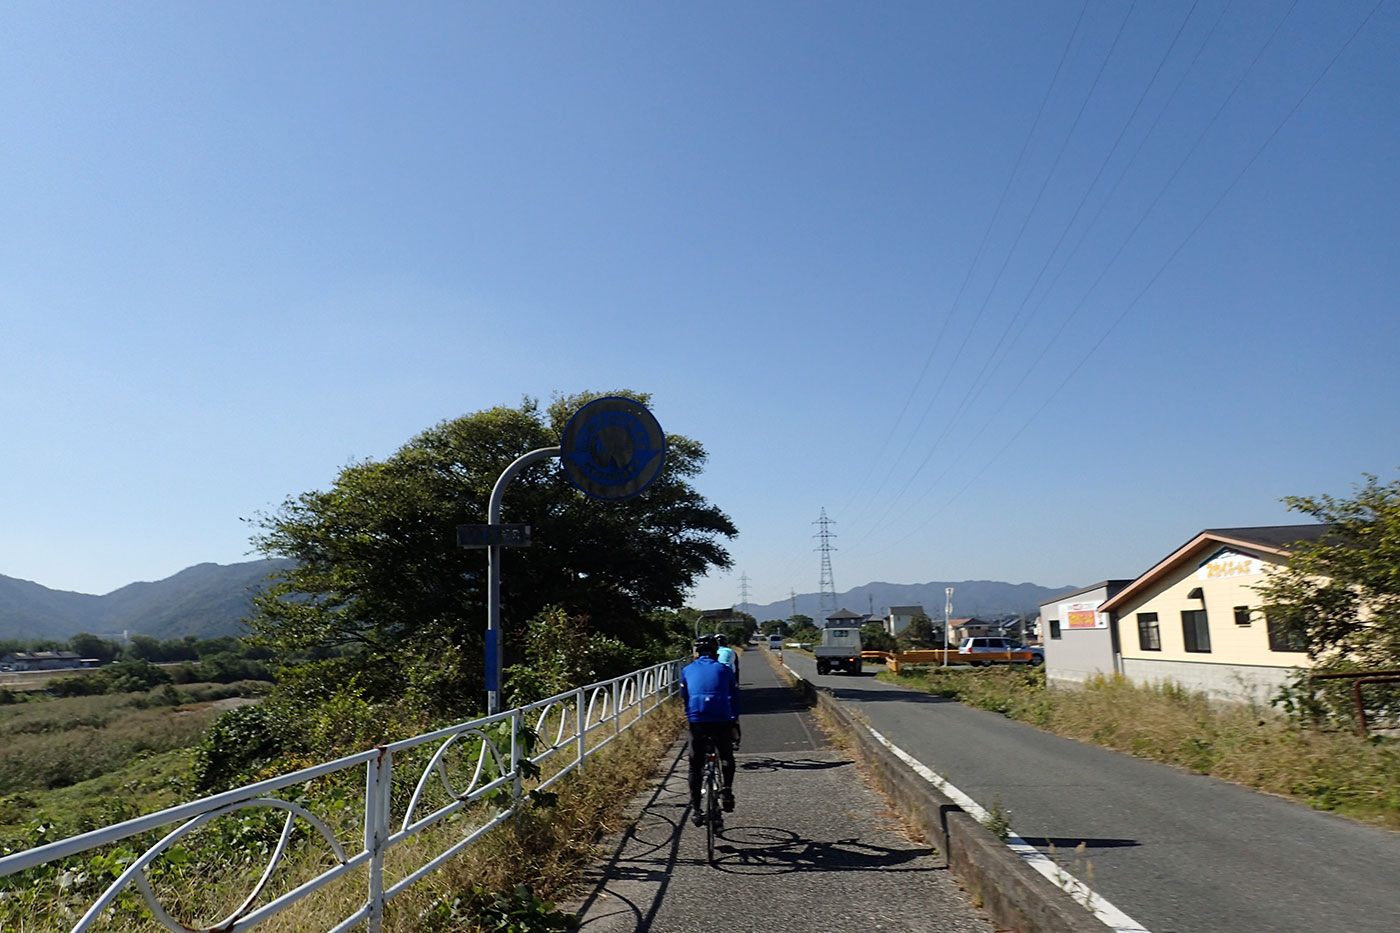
(478, 536)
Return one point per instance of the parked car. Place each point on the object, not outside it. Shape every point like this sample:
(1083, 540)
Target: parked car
(984, 643)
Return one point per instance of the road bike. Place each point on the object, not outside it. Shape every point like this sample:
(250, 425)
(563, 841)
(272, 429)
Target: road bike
(710, 801)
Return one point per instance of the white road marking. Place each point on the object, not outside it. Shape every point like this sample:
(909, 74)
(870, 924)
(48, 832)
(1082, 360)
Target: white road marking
(1081, 892)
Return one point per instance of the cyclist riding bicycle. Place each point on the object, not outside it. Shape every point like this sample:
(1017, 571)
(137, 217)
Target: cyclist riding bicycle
(710, 692)
(728, 656)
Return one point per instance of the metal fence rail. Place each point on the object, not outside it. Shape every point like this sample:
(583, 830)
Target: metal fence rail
(568, 727)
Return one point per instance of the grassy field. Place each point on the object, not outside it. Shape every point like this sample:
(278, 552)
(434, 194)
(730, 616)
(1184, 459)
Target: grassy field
(1250, 745)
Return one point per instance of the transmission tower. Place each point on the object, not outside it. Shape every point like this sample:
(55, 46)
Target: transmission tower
(792, 595)
(827, 585)
(743, 592)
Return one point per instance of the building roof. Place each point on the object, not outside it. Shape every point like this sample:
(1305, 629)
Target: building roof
(1109, 586)
(1275, 540)
(843, 614)
(44, 655)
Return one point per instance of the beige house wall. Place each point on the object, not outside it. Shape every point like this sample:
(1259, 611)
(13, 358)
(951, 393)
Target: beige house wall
(1226, 581)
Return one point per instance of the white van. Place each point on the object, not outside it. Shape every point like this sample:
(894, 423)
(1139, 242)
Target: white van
(775, 642)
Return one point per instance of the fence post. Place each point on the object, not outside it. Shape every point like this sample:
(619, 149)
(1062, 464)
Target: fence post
(517, 722)
(377, 784)
(581, 718)
(617, 706)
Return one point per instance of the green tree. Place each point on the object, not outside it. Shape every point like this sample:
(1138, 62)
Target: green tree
(873, 637)
(919, 633)
(378, 569)
(1340, 594)
(90, 646)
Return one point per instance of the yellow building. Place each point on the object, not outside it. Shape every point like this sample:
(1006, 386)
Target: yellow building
(1195, 617)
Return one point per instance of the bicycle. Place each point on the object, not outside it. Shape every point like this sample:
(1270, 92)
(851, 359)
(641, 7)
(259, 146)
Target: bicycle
(710, 801)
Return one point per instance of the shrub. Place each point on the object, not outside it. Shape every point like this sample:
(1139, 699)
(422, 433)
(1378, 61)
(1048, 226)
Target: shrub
(237, 742)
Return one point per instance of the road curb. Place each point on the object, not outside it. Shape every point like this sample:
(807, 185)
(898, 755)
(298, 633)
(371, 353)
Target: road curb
(1017, 897)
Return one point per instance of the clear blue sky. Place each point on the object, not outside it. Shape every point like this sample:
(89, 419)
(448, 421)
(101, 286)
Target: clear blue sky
(1016, 291)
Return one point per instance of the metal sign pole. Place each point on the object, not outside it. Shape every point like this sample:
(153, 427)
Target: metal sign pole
(493, 578)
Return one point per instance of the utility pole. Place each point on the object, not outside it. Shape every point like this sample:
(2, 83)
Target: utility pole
(826, 584)
(947, 615)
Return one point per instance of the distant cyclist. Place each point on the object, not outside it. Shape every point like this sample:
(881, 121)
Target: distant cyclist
(727, 655)
(711, 696)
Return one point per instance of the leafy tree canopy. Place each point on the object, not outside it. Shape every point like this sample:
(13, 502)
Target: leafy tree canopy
(919, 633)
(873, 637)
(378, 567)
(1340, 594)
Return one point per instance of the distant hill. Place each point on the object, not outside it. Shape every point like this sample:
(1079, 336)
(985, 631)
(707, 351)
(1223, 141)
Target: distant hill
(206, 600)
(986, 599)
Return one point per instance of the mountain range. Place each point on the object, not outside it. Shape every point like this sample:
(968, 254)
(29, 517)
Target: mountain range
(983, 599)
(210, 600)
(206, 600)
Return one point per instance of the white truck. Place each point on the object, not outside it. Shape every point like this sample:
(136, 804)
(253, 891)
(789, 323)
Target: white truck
(839, 651)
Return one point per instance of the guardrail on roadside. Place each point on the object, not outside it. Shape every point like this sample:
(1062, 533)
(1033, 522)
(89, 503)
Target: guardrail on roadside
(577, 723)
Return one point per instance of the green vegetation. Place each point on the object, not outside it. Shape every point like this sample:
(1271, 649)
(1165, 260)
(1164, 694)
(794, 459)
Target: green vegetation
(1249, 745)
(380, 578)
(1340, 596)
(51, 743)
(507, 880)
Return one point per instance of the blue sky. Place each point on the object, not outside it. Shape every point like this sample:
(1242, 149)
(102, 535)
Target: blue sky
(1016, 291)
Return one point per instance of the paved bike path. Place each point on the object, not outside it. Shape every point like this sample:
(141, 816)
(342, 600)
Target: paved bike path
(1177, 852)
(809, 845)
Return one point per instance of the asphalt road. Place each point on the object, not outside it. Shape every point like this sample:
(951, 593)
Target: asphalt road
(809, 847)
(1176, 851)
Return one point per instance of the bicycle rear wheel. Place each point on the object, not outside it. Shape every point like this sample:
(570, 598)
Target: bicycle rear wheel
(712, 816)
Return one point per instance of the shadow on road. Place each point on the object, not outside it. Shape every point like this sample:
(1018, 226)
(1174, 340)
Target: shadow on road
(752, 849)
(788, 764)
(1069, 843)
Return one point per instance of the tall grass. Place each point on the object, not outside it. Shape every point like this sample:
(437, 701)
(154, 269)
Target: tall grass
(59, 742)
(1246, 744)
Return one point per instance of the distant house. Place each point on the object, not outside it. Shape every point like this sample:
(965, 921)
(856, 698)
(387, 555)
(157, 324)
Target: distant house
(971, 628)
(843, 618)
(41, 660)
(900, 616)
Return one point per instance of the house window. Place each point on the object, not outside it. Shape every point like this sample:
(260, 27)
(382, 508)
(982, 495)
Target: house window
(1242, 615)
(1055, 628)
(1284, 637)
(1149, 635)
(1195, 630)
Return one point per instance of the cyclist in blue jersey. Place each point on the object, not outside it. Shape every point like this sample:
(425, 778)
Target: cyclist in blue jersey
(710, 693)
(728, 656)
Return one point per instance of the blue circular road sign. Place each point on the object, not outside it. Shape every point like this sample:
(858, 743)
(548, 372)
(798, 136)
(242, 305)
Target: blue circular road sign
(612, 448)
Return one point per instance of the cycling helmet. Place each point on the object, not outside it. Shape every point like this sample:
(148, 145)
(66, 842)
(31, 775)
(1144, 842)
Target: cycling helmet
(706, 645)
(721, 640)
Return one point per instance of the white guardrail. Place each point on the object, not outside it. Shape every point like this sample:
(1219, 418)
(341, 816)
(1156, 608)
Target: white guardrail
(574, 724)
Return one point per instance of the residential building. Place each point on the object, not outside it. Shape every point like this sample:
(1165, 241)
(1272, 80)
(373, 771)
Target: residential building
(900, 617)
(971, 628)
(844, 618)
(1196, 618)
(1076, 635)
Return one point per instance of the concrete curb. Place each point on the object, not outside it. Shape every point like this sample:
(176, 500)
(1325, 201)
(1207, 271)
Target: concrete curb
(1017, 897)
